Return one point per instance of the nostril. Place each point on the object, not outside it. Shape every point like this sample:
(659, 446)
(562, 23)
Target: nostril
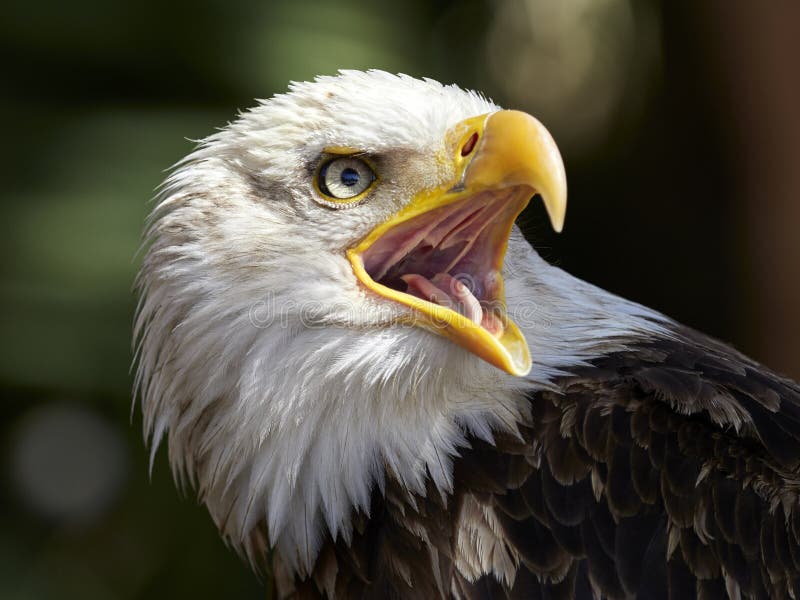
(469, 146)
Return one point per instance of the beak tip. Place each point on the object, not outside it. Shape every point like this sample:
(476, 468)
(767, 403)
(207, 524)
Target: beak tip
(556, 207)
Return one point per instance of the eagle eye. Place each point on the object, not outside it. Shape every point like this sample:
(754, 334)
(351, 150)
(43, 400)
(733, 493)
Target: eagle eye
(344, 179)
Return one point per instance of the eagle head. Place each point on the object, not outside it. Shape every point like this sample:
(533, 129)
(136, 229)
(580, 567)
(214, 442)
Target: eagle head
(326, 300)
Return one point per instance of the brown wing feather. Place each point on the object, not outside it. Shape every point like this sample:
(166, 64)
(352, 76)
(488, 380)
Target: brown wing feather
(667, 471)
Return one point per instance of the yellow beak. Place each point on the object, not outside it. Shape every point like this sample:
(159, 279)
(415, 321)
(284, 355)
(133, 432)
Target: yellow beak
(442, 254)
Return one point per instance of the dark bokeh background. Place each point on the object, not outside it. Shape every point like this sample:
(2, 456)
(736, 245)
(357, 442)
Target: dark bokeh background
(679, 123)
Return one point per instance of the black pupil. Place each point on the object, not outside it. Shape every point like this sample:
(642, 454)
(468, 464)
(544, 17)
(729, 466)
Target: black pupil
(349, 177)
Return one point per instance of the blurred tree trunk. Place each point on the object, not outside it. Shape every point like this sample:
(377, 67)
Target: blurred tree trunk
(757, 51)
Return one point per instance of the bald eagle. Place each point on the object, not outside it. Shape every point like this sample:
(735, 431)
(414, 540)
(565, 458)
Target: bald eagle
(379, 389)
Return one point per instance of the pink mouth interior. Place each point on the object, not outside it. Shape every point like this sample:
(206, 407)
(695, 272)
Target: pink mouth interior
(451, 256)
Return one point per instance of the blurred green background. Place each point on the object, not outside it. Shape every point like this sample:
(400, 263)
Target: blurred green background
(679, 126)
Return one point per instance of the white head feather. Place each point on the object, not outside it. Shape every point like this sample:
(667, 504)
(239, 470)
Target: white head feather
(284, 390)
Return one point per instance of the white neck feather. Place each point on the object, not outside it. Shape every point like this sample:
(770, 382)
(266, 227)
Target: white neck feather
(277, 421)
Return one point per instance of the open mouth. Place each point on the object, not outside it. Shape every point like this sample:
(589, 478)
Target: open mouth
(452, 256)
(442, 254)
(445, 263)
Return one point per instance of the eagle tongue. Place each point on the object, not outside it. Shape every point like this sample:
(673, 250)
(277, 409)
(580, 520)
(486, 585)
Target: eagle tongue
(424, 288)
(468, 304)
(445, 290)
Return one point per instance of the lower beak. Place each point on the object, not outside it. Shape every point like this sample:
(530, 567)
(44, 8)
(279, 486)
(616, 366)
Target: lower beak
(442, 254)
